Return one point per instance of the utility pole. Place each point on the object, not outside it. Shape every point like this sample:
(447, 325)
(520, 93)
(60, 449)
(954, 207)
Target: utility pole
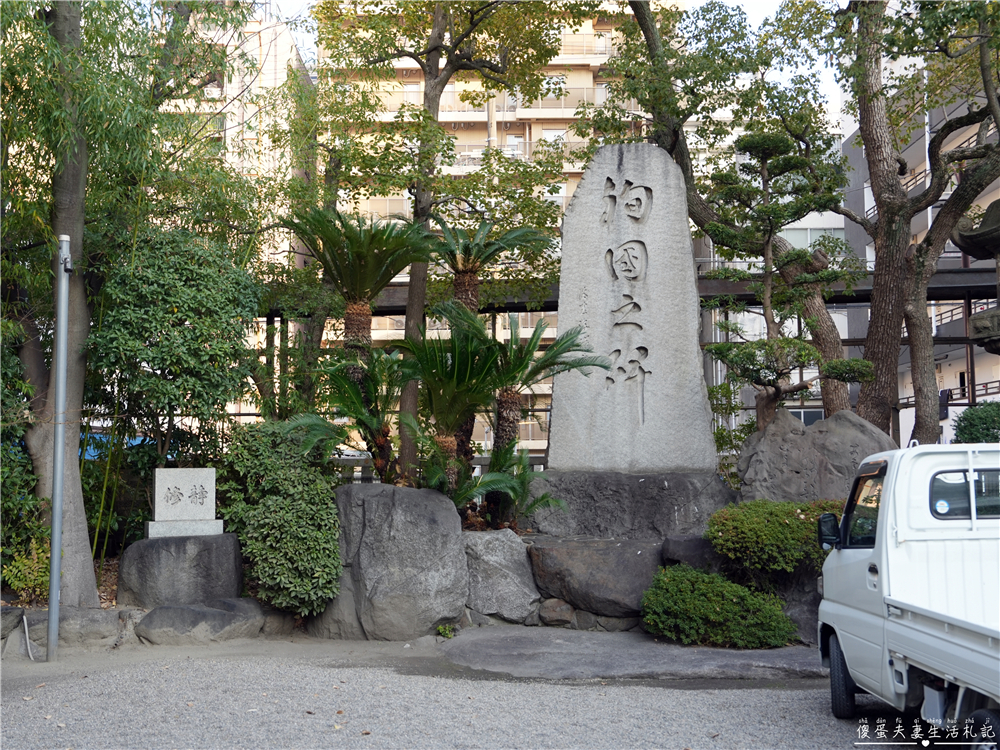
(64, 268)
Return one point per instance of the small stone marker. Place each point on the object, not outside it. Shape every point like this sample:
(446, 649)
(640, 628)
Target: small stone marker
(628, 279)
(184, 503)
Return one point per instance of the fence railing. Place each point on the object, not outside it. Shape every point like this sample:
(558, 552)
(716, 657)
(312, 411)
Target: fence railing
(961, 393)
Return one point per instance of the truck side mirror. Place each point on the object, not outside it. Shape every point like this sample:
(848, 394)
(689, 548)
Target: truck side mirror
(828, 531)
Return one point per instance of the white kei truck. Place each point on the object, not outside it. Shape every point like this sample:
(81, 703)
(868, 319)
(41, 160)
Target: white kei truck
(911, 588)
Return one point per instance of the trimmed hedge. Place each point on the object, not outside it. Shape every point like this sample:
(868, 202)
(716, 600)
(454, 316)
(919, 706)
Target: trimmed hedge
(766, 543)
(979, 424)
(690, 606)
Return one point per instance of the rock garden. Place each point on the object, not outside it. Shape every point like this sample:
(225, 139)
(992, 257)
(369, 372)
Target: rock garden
(632, 526)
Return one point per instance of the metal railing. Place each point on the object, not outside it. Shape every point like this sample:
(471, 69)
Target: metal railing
(569, 98)
(957, 312)
(471, 154)
(587, 44)
(961, 393)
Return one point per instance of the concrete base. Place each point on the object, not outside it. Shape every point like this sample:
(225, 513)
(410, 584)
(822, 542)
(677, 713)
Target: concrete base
(156, 529)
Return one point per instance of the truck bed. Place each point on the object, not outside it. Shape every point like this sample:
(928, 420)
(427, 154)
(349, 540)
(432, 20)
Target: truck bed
(965, 653)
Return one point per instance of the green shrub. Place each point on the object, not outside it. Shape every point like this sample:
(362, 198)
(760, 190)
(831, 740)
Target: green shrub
(766, 544)
(279, 500)
(979, 424)
(690, 606)
(27, 573)
(21, 511)
(22, 518)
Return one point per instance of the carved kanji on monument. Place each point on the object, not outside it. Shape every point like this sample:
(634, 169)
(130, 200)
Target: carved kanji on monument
(628, 278)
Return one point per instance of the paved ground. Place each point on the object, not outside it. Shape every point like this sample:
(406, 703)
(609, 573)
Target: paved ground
(490, 688)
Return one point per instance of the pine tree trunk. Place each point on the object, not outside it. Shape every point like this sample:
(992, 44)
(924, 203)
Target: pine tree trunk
(766, 402)
(826, 339)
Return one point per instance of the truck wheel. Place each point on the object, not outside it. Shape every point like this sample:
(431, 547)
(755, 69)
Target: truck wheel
(986, 728)
(842, 687)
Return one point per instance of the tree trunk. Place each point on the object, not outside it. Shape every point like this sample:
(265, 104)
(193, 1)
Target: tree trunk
(466, 289)
(508, 417)
(892, 229)
(310, 344)
(449, 447)
(435, 79)
(927, 426)
(825, 336)
(879, 397)
(766, 401)
(78, 585)
(358, 328)
(466, 292)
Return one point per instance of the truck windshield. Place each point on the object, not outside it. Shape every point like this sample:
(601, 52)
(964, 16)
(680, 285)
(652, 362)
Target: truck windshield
(862, 510)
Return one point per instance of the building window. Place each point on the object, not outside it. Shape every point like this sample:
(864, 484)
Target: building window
(807, 416)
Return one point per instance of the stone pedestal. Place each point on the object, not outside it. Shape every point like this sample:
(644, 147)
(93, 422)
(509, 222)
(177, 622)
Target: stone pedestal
(629, 506)
(180, 570)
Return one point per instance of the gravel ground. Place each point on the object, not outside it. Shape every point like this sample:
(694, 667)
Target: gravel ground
(306, 697)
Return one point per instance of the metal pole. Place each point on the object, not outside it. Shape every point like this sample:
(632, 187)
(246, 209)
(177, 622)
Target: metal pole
(64, 268)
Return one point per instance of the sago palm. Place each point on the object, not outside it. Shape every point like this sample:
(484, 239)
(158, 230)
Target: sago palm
(457, 375)
(467, 254)
(524, 364)
(360, 256)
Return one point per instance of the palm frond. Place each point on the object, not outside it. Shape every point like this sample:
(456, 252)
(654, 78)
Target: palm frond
(459, 373)
(463, 252)
(360, 256)
(315, 430)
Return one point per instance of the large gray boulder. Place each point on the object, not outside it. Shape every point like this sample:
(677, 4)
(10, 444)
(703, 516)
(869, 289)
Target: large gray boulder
(630, 506)
(604, 576)
(10, 618)
(789, 461)
(77, 625)
(220, 620)
(404, 552)
(500, 578)
(339, 621)
(180, 570)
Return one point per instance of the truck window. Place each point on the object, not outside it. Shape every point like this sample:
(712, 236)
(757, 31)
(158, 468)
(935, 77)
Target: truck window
(862, 509)
(949, 495)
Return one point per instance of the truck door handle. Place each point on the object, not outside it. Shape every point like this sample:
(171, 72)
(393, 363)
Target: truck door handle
(873, 569)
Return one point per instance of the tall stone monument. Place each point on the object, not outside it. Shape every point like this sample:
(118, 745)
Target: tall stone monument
(631, 449)
(628, 278)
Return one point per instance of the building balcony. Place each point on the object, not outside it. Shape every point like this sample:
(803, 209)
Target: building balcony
(452, 107)
(587, 45)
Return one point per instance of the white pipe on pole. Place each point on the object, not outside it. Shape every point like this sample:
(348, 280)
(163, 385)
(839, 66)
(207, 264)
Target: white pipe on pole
(63, 268)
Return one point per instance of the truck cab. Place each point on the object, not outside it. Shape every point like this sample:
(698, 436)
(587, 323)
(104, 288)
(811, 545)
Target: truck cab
(911, 587)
